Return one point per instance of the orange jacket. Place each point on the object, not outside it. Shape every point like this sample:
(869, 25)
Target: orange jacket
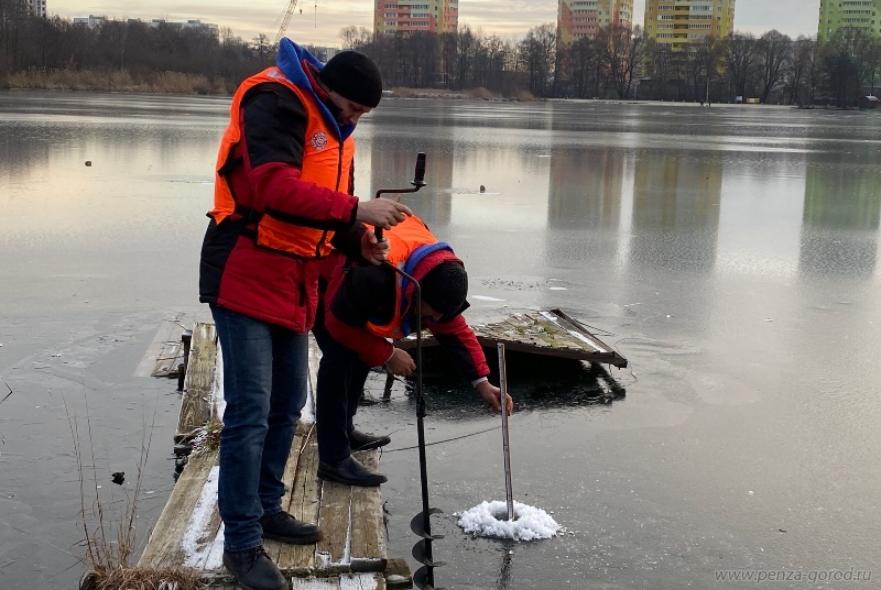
(282, 191)
(409, 243)
(325, 162)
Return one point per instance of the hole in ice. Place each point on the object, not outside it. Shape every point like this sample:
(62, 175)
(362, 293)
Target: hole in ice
(490, 519)
(503, 515)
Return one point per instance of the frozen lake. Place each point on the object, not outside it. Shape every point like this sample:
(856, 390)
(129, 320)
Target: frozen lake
(731, 254)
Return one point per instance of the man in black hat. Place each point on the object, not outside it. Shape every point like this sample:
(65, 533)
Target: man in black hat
(366, 307)
(283, 202)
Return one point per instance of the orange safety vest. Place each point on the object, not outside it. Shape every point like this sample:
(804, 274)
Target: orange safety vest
(326, 162)
(409, 243)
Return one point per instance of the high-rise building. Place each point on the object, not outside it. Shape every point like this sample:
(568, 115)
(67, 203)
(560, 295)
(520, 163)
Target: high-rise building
(864, 15)
(410, 16)
(679, 23)
(577, 19)
(37, 7)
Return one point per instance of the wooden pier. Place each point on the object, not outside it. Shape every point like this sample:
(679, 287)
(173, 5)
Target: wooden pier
(189, 533)
(353, 551)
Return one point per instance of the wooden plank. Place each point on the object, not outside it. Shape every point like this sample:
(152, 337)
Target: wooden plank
(370, 581)
(368, 547)
(158, 360)
(334, 518)
(169, 358)
(274, 548)
(199, 383)
(303, 503)
(164, 548)
(546, 333)
(313, 584)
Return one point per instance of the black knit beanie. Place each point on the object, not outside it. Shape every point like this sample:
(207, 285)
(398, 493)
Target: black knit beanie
(445, 287)
(354, 76)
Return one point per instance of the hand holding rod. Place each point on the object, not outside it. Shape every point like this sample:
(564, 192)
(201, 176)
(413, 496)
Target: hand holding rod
(418, 182)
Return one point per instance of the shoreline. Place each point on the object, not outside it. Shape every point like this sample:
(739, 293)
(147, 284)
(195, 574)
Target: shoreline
(167, 83)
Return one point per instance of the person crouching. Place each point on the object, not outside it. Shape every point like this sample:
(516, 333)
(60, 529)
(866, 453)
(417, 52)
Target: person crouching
(366, 307)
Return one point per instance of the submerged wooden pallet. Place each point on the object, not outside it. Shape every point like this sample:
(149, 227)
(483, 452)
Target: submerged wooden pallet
(547, 333)
(189, 533)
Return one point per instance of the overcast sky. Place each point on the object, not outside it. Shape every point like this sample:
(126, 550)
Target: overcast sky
(507, 18)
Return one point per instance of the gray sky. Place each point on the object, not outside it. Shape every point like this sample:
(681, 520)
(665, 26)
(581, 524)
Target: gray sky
(506, 18)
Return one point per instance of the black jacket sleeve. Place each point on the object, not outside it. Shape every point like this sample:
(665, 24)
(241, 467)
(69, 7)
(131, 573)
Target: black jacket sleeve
(276, 125)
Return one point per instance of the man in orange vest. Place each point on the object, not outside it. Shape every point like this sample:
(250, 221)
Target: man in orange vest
(282, 201)
(366, 306)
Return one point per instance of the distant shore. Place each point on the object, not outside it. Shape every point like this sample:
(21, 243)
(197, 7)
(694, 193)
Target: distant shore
(117, 81)
(197, 84)
(179, 83)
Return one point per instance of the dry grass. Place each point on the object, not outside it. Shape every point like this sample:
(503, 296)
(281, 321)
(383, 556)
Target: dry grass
(116, 81)
(482, 93)
(110, 539)
(208, 438)
(142, 579)
(405, 92)
(523, 96)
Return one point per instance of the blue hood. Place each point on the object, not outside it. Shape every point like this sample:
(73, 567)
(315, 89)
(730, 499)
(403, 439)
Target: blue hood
(290, 60)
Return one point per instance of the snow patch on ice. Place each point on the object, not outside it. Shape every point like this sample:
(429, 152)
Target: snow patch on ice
(530, 523)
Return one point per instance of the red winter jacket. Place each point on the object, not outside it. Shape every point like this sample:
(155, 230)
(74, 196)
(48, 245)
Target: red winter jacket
(358, 293)
(236, 273)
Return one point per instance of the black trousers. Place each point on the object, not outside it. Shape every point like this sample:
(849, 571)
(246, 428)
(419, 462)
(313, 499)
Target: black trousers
(341, 377)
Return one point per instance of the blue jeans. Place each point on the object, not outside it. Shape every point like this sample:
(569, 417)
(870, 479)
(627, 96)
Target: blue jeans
(264, 385)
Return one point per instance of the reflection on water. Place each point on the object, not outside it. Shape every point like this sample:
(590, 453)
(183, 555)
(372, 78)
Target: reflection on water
(842, 205)
(683, 232)
(584, 188)
(676, 210)
(393, 162)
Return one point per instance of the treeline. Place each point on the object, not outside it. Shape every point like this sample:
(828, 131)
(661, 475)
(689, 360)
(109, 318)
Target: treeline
(619, 63)
(122, 55)
(622, 63)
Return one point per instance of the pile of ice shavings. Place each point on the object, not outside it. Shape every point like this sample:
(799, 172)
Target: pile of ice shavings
(490, 519)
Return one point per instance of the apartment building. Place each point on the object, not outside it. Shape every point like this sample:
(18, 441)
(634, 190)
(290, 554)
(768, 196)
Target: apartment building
(864, 15)
(680, 23)
(37, 8)
(577, 19)
(409, 16)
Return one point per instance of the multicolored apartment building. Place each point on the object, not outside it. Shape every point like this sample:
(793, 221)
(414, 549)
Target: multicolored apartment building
(577, 19)
(410, 16)
(680, 23)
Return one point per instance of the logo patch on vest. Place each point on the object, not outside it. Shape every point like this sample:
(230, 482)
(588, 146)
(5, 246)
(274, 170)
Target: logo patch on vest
(319, 140)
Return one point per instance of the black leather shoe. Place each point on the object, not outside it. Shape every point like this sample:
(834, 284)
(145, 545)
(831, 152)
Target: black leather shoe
(287, 529)
(361, 441)
(254, 570)
(350, 472)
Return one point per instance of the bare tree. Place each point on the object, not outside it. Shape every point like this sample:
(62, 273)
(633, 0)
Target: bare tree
(740, 61)
(262, 45)
(466, 54)
(801, 80)
(536, 54)
(581, 59)
(775, 52)
(622, 49)
(353, 37)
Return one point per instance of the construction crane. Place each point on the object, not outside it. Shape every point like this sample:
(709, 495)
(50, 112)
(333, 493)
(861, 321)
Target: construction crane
(285, 19)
